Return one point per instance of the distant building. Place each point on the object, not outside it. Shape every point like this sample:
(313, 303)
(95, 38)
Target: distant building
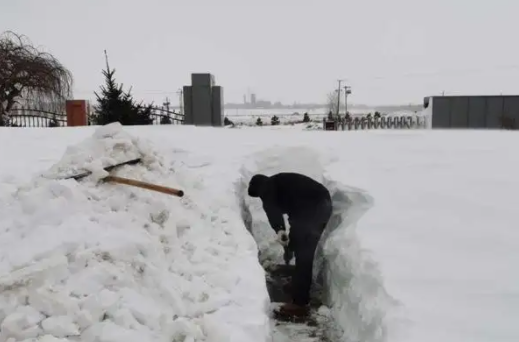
(253, 99)
(485, 111)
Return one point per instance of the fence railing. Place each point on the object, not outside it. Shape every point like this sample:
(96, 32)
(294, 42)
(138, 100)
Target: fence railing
(383, 122)
(37, 117)
(34, 117)
(165, 116)
(356, 122)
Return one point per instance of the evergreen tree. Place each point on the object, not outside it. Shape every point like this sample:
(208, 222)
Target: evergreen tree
(4, 120)
(259, 122)
(274, 121)
(165, 120)
(116, 105)
(306, 117)
(142, 114)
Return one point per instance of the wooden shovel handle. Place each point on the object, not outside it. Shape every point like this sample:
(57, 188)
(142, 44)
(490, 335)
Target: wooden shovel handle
(144, 185)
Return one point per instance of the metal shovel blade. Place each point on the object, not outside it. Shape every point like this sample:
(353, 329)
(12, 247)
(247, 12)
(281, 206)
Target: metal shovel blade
(107, 169)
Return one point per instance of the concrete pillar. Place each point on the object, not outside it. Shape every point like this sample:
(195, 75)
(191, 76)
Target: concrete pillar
(76, 113)
(203, 102)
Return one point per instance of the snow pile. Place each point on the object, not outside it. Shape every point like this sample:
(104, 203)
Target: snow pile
(106, 262)
(108, 146)
(313, 126)
(345, 276)
(353, 285)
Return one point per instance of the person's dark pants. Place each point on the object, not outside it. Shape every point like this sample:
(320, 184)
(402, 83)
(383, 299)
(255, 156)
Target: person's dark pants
(305, 233)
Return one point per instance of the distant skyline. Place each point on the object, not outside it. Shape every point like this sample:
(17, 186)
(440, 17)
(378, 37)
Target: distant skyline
(390, 52)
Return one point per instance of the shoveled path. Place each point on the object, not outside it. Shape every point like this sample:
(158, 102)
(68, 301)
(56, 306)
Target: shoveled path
(308, 330)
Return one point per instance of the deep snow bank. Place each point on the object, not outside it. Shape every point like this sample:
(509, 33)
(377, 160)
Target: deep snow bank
(114, 263)
(351, 285)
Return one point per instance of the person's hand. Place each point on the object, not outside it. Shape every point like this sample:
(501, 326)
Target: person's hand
(283, 238)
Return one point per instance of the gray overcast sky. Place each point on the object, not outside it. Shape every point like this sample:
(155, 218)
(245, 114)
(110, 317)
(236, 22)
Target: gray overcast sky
(391, 51)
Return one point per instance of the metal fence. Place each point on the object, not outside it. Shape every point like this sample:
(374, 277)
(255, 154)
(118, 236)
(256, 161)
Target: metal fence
(165, 116)
(383, 122)
(36, 117)
(352, 122)
(42, 117)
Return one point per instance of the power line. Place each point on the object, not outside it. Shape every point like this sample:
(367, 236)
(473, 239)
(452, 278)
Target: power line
(339, 96)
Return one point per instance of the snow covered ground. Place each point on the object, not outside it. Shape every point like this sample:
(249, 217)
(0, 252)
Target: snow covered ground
(423, 245)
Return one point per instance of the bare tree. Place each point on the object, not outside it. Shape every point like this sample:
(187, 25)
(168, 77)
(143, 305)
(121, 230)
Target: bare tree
(30, 74)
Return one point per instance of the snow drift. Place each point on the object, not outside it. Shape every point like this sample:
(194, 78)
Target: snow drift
(352, 284)
(345, 275)
(104, 262)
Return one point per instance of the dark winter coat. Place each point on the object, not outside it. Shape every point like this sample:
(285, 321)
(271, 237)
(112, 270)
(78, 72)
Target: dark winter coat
(294, 194)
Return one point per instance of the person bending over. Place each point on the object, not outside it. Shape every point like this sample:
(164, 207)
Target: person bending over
(308, 205)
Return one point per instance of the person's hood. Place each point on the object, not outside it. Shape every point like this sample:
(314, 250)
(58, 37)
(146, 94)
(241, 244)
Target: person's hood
(256, 185)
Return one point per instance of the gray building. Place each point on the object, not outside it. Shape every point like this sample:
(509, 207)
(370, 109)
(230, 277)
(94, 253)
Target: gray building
(492, 112)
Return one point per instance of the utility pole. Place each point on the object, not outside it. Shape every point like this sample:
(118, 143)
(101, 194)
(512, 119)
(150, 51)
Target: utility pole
(347, 91)
(180, 92)
(339, 96)
(166, 104)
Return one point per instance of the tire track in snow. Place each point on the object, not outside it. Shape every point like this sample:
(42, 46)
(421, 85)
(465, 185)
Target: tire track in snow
(346, 279)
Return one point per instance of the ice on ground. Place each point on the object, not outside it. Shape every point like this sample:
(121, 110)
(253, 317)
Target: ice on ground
(108, 262)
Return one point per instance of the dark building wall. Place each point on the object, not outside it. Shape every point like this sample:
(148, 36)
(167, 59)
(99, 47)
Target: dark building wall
(459, 112)
(511, 108)
(477, 110)
(494, 110)
(441, 112)
(472, 111)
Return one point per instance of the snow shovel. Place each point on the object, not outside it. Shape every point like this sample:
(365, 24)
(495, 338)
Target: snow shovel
(131, 182)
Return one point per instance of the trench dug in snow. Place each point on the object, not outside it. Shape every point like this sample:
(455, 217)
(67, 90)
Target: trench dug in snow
(346, 279)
